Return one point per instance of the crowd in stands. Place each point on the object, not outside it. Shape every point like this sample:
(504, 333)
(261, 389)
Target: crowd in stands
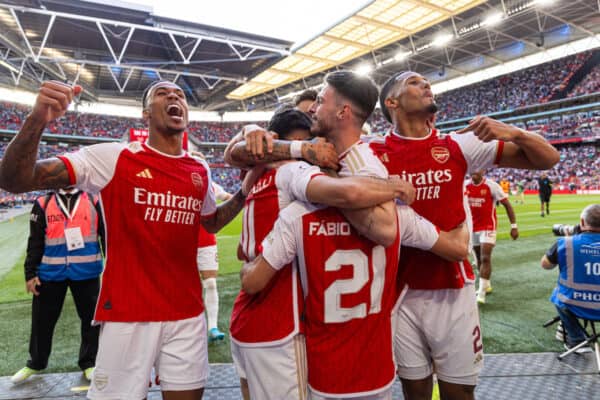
(589, 84)
(517, 89)
(578, 169)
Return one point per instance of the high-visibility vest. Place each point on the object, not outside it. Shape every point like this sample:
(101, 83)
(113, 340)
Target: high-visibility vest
(578, 286)
(58, 263)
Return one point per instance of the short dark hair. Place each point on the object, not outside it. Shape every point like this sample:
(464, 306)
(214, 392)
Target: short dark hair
(308, 94)
(360, 90)
(286, 120)
(149, 88)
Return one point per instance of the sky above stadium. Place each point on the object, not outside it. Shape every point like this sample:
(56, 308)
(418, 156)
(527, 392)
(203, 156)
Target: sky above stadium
(296, 21)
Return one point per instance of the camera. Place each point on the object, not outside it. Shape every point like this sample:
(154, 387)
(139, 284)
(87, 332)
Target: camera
(566, 230)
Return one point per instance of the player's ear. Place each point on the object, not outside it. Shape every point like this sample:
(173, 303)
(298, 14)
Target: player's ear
(145, 115)
(391, 102)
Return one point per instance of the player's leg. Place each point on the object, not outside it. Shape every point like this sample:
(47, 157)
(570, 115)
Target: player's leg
(182, 362)
(185, 395)
(208, 266)
(541, 205)
(454, 335)
(127, 352)
(548, 204)
(85, 296)
(488, 241)
(411, 351)
(239, 362)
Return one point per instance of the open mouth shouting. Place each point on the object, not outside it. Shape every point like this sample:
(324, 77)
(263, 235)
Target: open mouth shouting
(175, 111)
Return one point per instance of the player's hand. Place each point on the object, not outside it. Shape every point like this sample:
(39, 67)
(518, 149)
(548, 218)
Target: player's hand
(31, 284)
(514, 233)
(320, 152)
(53, 100)
(405, 191)
(250, 178)
(488, 129)
(258, 140)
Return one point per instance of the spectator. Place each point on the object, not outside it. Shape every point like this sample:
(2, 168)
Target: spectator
(63, 252)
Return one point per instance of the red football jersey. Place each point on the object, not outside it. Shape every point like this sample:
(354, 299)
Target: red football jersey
(349, 287)
(436, 165)
(482, 200)
(152, 206)
(273, 315)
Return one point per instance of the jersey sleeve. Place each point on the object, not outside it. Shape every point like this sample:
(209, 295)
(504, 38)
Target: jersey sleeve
(209, 205)
(478, 154)
(220, 193)
(280, 245)
(361, 161)
(496, 191)
(293, 179)
(416, 231)
(92, 167)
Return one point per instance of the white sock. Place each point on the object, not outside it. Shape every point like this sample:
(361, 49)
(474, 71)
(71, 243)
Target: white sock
(211, 301)
(483, 284)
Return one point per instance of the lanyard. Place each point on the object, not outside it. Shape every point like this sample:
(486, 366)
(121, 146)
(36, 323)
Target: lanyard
(65, 210)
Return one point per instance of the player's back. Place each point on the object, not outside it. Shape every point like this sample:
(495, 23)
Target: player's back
(273, 315)
(349, 286)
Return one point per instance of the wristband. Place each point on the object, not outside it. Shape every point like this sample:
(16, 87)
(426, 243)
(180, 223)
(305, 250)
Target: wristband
(296, 149)
(513, 226)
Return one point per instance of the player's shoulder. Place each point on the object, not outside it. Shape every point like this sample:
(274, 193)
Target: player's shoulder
(198, 160)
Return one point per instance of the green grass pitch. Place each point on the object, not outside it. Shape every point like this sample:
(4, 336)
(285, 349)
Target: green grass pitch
(511, 319)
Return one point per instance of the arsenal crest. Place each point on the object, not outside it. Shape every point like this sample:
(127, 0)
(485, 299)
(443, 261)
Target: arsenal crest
(440, 154)
(197, 181)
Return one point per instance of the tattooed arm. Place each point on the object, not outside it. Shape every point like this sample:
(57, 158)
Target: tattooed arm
(19, 170)
(225, 213)
(260, 147)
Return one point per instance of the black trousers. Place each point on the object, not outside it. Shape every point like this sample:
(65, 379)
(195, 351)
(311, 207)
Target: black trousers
(46, 309)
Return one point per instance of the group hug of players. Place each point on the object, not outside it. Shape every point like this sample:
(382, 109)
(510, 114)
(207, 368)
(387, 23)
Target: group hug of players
(349, 277)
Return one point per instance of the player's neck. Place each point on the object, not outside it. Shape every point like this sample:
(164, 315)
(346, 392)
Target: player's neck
(343, 139)
(412, 126)
(167, 144)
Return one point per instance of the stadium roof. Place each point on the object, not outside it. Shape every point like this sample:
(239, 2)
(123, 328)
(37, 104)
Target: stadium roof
(114, 50)
(377, 24)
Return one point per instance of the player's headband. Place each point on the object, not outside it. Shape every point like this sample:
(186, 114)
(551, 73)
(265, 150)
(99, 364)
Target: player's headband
(388, 85)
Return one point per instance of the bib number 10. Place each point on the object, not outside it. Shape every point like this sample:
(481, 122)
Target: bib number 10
(358, 260)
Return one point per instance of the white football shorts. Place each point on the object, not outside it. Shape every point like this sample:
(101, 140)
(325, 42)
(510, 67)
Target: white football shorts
(128, 351)
(484, 237)
(273, 372)
(207, 258)
(439, 328)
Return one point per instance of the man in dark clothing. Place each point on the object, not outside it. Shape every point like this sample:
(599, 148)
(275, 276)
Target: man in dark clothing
(63, 251)
(545, 189)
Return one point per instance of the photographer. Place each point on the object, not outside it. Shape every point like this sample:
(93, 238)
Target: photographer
(577, 294)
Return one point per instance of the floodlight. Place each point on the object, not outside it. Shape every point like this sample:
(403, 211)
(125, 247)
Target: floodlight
(402, 55)
(364, 69)
(493, 19)
(442, 39)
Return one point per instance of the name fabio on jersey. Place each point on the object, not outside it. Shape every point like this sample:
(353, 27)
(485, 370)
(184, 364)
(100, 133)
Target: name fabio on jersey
(329, 229)
(428, 183)
(167, 207)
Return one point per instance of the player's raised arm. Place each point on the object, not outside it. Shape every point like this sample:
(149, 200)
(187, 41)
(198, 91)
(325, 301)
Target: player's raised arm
(522, 149)
(19, 170)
